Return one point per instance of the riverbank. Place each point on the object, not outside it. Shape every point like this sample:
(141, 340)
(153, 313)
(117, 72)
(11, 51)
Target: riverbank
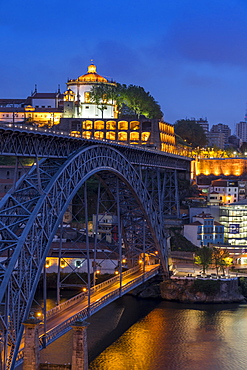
(191, 290)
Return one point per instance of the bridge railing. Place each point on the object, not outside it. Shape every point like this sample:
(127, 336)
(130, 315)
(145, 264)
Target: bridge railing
(65, 326)
(79, 297)
(94, 307)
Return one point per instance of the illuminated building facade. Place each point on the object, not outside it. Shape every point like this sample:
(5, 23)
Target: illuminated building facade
(234, 218)
(75, 113)
(150, 132)
(223, 191)
(77, 97)
(221, 166)
(204, 230)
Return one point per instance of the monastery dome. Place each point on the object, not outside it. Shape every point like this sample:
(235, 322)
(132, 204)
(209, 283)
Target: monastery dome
(92, 75)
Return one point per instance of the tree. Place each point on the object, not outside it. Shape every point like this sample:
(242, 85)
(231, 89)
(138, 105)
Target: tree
(191, 132)
(103, 94)
(221, 259)
(134, 97)
(140, 101)
(204, 257)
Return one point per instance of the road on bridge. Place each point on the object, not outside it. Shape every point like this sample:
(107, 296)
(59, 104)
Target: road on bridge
(60, 317)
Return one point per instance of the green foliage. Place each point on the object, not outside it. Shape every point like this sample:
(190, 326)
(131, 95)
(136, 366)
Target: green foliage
(221, 259)
(140, 101)
(204, 257)
(191, 132)
(102, 94)
(134, 97)
(209, 287)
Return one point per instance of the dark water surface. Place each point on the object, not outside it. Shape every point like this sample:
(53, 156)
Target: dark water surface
(156, 335)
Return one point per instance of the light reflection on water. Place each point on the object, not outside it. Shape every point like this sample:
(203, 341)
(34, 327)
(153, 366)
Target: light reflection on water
(180, 337)
(140, 334)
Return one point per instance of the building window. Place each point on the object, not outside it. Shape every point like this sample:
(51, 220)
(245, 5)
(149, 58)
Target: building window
(78, 264)
(87, 97)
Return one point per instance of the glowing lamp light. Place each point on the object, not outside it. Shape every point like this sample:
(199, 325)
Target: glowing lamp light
(156, 252)
(116, 272)
(39, 314)
(124, 260)
(97, 271)
(140, 261)
(84, 289)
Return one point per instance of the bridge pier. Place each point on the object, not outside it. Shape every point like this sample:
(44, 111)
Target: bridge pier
(79, 349)
(31, 344)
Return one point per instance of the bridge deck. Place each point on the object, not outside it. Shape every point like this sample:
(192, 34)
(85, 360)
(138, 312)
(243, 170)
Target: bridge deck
(59, 322)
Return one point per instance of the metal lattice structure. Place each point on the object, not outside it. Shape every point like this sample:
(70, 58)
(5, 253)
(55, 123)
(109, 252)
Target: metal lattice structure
(31, 213)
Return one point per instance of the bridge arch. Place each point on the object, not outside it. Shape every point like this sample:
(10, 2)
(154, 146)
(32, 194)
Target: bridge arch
(31, 214)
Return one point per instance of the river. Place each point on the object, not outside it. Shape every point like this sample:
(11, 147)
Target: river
(143, 334)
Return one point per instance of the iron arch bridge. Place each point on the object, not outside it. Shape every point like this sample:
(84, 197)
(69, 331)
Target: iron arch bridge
(138, 186)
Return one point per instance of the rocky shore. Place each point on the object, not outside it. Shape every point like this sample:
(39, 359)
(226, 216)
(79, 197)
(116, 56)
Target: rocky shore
(191, 290)
(201, 290)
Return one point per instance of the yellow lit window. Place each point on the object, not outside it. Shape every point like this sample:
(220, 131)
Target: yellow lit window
(111, 125)
(111, 135)
(134, 125)
(86, 97)
(99, 125)
(75, 133)
(87, 125)
(123, 125)
(86, 134)
(134, 136)
(122, 136)
(145, 136)
(99, 135)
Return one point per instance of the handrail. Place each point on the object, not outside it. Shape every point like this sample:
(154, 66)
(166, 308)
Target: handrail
(65, 326)
(70, 302)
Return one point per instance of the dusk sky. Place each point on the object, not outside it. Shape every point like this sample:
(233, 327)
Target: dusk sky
(190, 55)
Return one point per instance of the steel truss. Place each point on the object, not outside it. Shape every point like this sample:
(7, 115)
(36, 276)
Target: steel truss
(38, 142)
(31, 213)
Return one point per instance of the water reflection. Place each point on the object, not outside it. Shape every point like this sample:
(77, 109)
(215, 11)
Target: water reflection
(179, 337)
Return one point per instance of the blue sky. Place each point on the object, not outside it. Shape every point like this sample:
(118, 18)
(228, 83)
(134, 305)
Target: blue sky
(190, 55)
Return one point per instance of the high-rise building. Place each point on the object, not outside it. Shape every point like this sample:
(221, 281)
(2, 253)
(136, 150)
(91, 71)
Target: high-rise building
(216, 139)
(221, 128)
(241, 131)
(204, 123)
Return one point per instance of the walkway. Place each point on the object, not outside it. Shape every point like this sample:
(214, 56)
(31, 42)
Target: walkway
(60, 318)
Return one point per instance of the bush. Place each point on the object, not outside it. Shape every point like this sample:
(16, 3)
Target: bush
(209, 287)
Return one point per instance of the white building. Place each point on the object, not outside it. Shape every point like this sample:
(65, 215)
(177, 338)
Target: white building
(204, 230)
(223, 191)
(79, 96)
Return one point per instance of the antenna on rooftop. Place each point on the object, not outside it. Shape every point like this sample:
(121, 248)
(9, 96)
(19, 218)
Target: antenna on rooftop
(58, 90)
(35, 88)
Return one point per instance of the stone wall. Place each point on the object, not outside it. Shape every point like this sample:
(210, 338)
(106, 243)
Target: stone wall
(183, 290)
